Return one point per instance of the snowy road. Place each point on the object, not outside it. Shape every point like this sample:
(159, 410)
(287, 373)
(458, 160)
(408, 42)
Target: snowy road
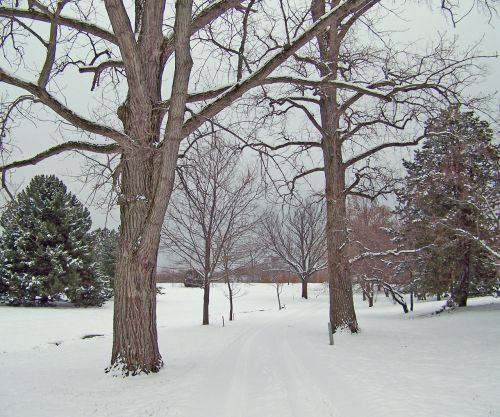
(267, 367)
(268, 363)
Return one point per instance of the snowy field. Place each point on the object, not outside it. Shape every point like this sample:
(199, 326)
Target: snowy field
(268, 363)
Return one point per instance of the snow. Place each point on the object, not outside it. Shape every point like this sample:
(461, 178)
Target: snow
(266, 363)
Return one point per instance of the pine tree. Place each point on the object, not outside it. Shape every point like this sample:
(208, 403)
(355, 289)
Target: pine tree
(104, 250)
(450, 205)
(46, 248)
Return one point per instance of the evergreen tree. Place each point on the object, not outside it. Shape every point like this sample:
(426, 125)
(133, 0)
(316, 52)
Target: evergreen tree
(105, 244)
(46, 248)
(450, 205)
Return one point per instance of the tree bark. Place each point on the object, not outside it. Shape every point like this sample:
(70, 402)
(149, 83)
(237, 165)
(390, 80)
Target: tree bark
(206, 302)
(304, 288)
(135, 346)
(230, 290)
(462, 291)
(147, 179)
(342, 314)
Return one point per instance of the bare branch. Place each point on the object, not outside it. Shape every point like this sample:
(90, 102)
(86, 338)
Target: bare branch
(63, 147)
(79, 25)
(78, 121)
(51, 46)
(266, 69)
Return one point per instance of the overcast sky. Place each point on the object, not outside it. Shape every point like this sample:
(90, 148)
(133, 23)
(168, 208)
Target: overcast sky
(423, 25)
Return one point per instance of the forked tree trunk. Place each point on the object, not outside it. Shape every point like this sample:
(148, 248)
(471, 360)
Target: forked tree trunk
(135, 345)
(304, 287)
(147, 177)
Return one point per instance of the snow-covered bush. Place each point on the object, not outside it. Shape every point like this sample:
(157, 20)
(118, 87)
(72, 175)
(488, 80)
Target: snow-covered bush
(46, 249)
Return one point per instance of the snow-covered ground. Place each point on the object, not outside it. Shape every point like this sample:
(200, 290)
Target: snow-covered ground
(268, 363)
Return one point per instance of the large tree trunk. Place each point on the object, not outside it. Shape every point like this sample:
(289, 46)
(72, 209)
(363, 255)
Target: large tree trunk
(147, 178)
(304, 287)
(135, 346)
(342, 314)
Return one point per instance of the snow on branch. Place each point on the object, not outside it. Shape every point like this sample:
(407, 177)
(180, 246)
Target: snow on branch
(396, 295)
(43, 96)
(391, 252)
(257, 78)
(476, 239)
(69, 22)
(63, 147)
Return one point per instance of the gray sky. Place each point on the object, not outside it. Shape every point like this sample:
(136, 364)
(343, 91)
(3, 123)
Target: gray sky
(423, 25)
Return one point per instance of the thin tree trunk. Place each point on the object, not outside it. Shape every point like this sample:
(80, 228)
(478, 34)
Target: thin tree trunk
(462, 292)
(304, 288)
(230, 290)
(206, 302)
(411, 299)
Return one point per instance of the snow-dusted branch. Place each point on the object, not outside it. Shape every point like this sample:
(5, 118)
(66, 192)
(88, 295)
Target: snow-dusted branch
(391, 252)
(63, 147)
(69, 22)
(257, 77)
(60, 109)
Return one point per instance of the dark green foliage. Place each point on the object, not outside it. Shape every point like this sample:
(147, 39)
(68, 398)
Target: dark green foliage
(104, 251)
(46, 248)
(450, 204)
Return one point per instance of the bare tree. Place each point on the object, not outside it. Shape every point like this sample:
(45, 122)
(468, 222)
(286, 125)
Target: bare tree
(278, 286)
(238, 256)
(212, 209)
(126, 53)
(360, 94)
(297, 237)
(370, 226)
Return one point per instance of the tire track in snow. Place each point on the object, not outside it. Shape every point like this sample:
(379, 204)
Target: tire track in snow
(263, 370)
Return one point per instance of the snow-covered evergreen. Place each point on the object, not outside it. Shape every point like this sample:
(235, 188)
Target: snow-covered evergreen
(47, 249)
(450, 204)
(104, 250)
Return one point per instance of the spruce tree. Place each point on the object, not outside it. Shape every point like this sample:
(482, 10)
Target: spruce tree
(46, 248)
(104, 251)
(449, 204)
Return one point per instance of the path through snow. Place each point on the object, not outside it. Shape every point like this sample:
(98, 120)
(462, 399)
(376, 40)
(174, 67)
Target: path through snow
(268, 363)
